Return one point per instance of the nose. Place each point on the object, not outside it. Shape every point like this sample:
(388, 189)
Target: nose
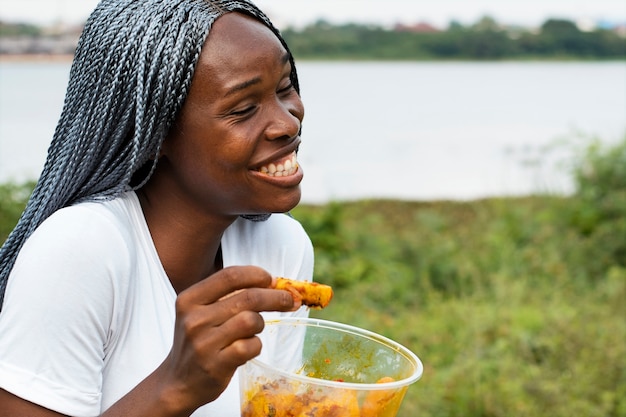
(286, 119)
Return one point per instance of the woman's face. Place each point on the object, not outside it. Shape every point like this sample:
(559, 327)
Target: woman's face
(241, 118)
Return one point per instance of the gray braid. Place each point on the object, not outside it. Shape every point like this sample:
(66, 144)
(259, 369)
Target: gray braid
(131, 74)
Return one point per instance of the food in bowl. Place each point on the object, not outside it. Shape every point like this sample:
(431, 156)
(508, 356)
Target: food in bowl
(280, 398)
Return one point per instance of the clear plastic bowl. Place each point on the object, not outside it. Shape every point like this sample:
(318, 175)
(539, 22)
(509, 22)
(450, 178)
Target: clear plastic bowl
(320, 368)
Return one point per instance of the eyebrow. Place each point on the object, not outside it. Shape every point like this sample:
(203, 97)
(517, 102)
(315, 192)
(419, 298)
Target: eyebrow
(242, 86)
(253, 81)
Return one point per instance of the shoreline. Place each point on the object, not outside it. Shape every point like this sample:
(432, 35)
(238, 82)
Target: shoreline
(43, 58)
(36, 58)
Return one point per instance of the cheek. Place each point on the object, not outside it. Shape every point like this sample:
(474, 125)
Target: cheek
(205, 148)
(296, 107)
(189, 156)
(300, 109)
(217, 161)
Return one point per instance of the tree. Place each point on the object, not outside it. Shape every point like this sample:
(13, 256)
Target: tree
(559, 28)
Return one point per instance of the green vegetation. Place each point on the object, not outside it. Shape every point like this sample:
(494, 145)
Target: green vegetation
(13, 198)
(19, 29)
(485, 40)
(516, 306)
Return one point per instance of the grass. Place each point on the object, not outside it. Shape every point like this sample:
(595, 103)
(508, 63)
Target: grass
(517, 306)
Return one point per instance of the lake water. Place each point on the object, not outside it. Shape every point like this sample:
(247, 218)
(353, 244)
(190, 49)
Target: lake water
(414, 130)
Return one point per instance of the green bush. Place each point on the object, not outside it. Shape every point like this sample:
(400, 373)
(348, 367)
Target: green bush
(13, 198)
(600, 176)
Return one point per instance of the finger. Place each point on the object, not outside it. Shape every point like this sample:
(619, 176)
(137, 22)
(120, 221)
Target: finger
(198, 319)
(243, 326)
(240, 351)
(244, 343)
(234, 342)
(225, 282)
(297, 298)
(251, 299)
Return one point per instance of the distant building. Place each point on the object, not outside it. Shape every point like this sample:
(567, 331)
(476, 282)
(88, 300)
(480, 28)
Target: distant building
(58, 45)
(420, 27)
(58, 39)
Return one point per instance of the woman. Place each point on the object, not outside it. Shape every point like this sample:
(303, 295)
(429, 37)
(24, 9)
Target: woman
(139, 270)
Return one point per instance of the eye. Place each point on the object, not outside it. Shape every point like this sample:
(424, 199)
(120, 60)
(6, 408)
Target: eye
(286, 89)
(243, 112)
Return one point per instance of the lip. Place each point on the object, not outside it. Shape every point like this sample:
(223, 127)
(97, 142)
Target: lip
(283, 182)
(279, 154)
(287, 181)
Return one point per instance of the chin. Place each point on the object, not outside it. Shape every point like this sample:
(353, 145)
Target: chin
(285, 202)
(295, 200)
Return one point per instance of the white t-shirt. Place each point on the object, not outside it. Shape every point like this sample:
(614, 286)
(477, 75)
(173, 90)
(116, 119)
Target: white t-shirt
(89, 310)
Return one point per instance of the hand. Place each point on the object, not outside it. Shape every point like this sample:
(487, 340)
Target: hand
(216, 325)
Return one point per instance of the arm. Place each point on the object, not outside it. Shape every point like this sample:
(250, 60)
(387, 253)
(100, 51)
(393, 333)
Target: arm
(136, 403)
(216, 325)
(13, 406)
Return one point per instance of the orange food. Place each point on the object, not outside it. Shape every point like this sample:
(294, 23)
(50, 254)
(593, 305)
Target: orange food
(277, 399)
(311, 294)
(282, 398)
(376, 401)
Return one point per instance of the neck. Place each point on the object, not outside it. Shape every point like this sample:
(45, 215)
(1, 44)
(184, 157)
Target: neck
(188, 243)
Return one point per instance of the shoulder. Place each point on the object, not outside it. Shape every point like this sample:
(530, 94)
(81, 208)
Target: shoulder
(101, 216)
(86, 250)
(84, 243)
(99, 227)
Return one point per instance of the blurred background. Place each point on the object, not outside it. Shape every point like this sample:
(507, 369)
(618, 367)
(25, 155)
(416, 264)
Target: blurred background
(436, 100)
(465, 186)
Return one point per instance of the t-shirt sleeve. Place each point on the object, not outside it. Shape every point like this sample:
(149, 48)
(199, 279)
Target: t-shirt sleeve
(57, 312)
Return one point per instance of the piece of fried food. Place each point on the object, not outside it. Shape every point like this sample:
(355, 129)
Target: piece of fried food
(312, 294)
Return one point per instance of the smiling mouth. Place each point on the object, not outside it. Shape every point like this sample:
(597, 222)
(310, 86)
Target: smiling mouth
(281, 168)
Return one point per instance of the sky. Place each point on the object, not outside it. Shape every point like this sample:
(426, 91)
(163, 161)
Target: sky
(383, 12)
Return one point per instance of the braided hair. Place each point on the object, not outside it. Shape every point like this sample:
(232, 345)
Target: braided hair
(130, 76)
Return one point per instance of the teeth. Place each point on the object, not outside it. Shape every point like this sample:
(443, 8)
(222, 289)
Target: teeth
(282, 168)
